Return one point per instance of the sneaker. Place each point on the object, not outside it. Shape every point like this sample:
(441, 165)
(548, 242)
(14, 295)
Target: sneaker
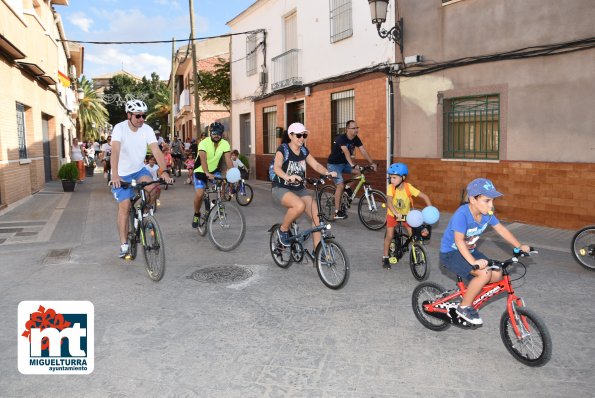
(340, 214)
(195, 220)
(469, 314)
(123, 250)
(284, 237)
(385, 263)
(157, 202)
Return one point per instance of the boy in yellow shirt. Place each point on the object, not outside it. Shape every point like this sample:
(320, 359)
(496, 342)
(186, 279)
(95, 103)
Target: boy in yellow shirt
(398, 199)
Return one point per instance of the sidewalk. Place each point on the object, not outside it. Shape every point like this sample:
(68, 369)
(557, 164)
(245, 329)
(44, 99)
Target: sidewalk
(252, 329)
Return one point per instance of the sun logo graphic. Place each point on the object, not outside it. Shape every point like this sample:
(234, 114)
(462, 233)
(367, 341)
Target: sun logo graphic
(55, 337)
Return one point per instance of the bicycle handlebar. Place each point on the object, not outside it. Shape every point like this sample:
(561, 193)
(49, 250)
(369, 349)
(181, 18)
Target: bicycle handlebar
(495, 264)
(139, 185)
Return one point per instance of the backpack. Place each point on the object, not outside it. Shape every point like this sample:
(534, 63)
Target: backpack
(285, 147)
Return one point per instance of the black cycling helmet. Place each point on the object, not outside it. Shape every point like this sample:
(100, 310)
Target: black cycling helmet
(216, 128)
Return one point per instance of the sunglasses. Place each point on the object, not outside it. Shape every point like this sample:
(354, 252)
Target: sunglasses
(139, 116)
(300, 135)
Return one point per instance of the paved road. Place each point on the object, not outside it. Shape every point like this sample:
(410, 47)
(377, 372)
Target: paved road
(279, 333)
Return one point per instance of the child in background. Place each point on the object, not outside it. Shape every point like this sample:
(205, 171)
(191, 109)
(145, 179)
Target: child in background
(155, 190)
(399, 200)
(189, 163)
(457, 248)
(244, 172)
(168, 159)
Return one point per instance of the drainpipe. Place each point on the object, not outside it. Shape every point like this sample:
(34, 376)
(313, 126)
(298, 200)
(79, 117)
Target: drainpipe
(390, 119)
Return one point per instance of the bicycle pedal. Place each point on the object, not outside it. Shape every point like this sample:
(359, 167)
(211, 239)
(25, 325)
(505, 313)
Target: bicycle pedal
(393, 260)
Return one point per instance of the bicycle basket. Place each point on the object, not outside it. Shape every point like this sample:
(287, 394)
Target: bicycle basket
(423, 232)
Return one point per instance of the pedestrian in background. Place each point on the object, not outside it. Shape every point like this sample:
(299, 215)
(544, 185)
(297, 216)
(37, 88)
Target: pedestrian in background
(76, 155)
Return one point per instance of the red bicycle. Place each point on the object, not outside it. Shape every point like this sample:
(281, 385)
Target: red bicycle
(524, 334)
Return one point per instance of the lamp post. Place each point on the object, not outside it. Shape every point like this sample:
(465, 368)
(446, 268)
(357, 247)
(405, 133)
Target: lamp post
(378, 13)
(80, 93)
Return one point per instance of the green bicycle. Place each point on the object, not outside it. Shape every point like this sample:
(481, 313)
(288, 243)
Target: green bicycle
(371, 208)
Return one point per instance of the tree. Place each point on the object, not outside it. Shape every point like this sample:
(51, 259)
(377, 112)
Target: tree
(160, 105)
(92, 113)
(119, 87)
(215, 86)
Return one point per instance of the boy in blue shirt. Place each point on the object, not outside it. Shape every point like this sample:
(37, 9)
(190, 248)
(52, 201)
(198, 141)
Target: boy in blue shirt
(457, 248)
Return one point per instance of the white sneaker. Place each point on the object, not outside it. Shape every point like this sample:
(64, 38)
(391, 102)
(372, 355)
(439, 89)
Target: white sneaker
(123, 250)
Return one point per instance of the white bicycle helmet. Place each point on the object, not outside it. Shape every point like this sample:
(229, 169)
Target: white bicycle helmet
(135, 106)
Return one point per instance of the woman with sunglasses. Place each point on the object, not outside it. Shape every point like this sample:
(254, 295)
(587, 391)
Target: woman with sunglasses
(289, 186)
(130, 139)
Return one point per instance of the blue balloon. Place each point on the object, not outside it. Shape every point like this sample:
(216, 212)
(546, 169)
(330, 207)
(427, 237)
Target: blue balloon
(415, 218)
(431, 215)
(233, 175)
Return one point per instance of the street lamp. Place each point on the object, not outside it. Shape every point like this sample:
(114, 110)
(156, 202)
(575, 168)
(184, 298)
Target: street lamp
(378, 14)
(81, 93)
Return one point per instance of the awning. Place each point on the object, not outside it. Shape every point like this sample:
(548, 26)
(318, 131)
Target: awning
(10, 49)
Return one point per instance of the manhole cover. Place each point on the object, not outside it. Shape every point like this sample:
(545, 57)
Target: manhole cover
(59, 256)
(221, 274)
(59, 253)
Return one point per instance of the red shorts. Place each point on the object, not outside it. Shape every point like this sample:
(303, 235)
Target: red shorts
(391, 222)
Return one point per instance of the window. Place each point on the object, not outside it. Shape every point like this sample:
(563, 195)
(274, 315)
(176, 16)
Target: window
(342, 110)
(472, 127)
(268, 129)
(21, 131)
(251, 54)
(341, 21)
(290, 41)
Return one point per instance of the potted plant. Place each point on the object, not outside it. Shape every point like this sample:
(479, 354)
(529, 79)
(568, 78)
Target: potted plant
(69, 174)
(89, 166)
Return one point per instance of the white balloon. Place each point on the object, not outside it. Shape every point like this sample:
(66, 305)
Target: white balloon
(233, 175)
(415, 218)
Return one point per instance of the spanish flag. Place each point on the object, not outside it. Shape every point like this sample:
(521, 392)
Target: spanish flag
(64, 79)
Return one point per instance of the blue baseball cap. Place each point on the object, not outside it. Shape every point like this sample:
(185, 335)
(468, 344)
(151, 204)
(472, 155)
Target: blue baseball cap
(482, 186)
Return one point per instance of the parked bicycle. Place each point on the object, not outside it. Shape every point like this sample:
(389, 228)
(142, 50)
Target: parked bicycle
(419, 260)
(583, 247)
(329, 258)
(371, 208)
(241, 190)
(221, 219)
(144, 229)
(523, 332)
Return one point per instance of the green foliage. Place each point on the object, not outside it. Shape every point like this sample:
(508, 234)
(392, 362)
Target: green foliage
(92, 113)
(68, 171)
(154, 93)
(215, 86)
(244, 160)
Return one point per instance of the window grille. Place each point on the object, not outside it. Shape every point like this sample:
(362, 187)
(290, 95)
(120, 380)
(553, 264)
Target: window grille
(342, 110)
(472, 127)
(251, 55)
(21, 131)
(268, 129)
(341, 20)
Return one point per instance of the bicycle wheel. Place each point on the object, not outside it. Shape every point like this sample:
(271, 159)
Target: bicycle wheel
(332, 264)
(281, 254)
(226, 226)
(427, 292)
(326, 203)
(583, 247)
(244, 197)
(534, 345)
(419, 261)
(132, 237)
(372, 210)
(154, 248)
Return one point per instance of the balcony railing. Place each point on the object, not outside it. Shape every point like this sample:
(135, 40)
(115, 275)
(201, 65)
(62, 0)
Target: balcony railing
(184, 104)
(286, 70)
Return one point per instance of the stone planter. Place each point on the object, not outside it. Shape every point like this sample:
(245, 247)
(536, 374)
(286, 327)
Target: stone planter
(68, 185)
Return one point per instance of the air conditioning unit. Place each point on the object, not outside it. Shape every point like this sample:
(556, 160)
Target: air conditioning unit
(264, 78)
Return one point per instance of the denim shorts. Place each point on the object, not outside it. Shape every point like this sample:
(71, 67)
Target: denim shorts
(455, 262)
(121, 194)
(279, 192)
(340, 168)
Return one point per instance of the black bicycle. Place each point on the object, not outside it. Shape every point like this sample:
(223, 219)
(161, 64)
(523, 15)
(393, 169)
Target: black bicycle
(222, 220)
(144, 229)
(329, 258)
(419, 261)
(583, 247)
